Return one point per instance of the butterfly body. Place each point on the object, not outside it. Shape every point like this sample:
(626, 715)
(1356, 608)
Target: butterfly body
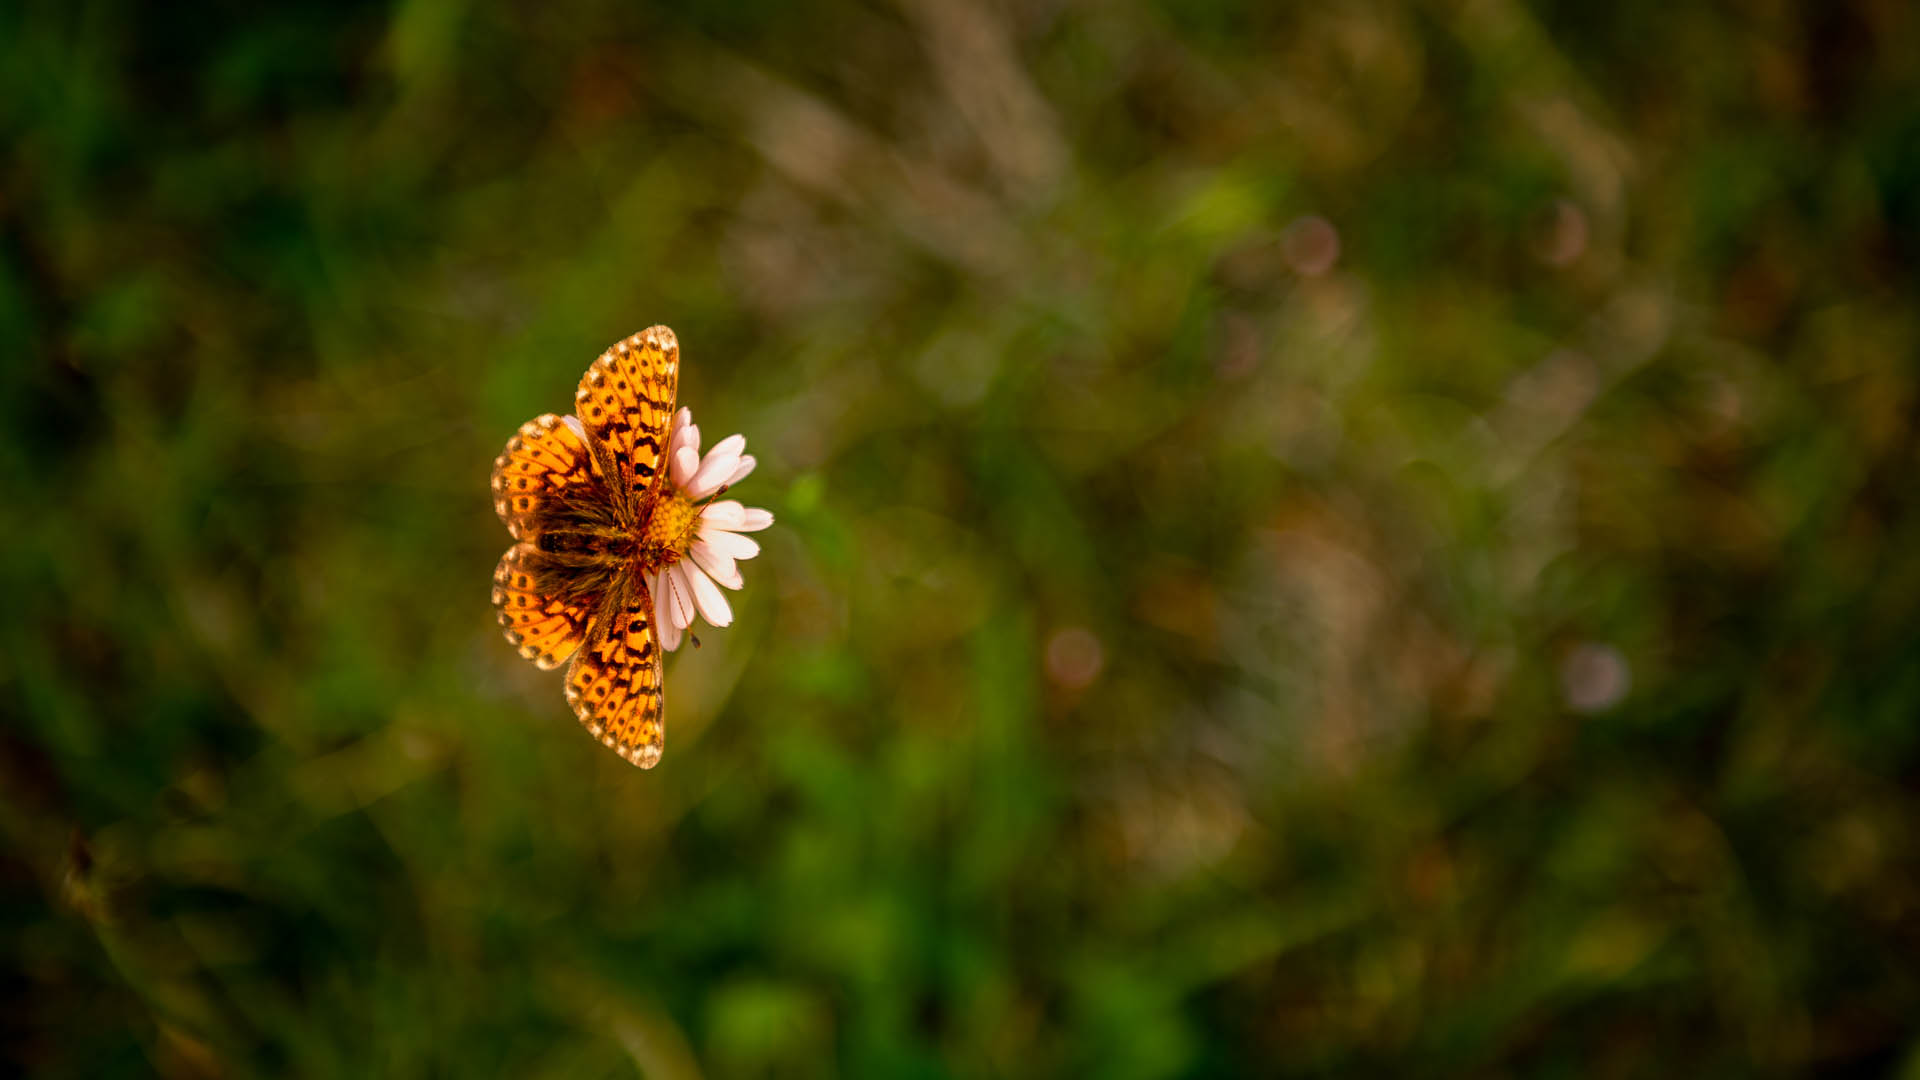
(584, 551)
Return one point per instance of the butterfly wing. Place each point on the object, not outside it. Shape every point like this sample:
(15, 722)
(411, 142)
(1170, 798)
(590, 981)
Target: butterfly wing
(614, 684)
(546, 626)
(546, 464)
(626, 401)
(547, 461)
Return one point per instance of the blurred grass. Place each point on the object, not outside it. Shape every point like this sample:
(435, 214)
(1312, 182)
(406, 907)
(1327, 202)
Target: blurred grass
(1313, 538)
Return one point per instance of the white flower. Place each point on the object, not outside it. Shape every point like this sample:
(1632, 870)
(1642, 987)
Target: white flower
(692, 584)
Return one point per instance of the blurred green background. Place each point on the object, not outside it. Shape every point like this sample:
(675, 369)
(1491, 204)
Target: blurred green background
(1314, 539)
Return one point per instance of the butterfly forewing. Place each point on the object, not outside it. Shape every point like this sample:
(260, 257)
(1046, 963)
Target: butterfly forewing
(626, 401)
(546, 461)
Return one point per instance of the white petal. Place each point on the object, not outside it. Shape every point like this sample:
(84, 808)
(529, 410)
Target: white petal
(723, 514)
(730, 447)
(730, 515)
(712, 602)
(741, 470)
(683, 591)
(685, 464)
(679, 596)
(663, 613)
(718, 567)
(688, 437)
(717, 466)
(707, 481)
(676, 435)
(732, 545)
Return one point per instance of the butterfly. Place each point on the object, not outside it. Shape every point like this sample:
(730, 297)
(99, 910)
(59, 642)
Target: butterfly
(618, 541)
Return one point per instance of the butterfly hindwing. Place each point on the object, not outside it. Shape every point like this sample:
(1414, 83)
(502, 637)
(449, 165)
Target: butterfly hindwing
(614, 684)
(545, 627)
(626, 399)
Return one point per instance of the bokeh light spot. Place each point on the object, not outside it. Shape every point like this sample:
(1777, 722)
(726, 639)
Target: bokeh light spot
(1074, 657)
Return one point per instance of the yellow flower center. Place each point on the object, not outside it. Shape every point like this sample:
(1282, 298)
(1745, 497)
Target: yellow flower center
(669, 530)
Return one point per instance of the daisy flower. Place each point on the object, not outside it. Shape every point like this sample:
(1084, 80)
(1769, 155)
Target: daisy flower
(691, 584)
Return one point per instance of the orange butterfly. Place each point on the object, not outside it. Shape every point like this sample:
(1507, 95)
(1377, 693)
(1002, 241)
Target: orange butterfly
(619, 541)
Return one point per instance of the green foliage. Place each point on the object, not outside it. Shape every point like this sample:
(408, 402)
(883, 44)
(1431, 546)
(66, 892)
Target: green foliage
(1312, 539)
